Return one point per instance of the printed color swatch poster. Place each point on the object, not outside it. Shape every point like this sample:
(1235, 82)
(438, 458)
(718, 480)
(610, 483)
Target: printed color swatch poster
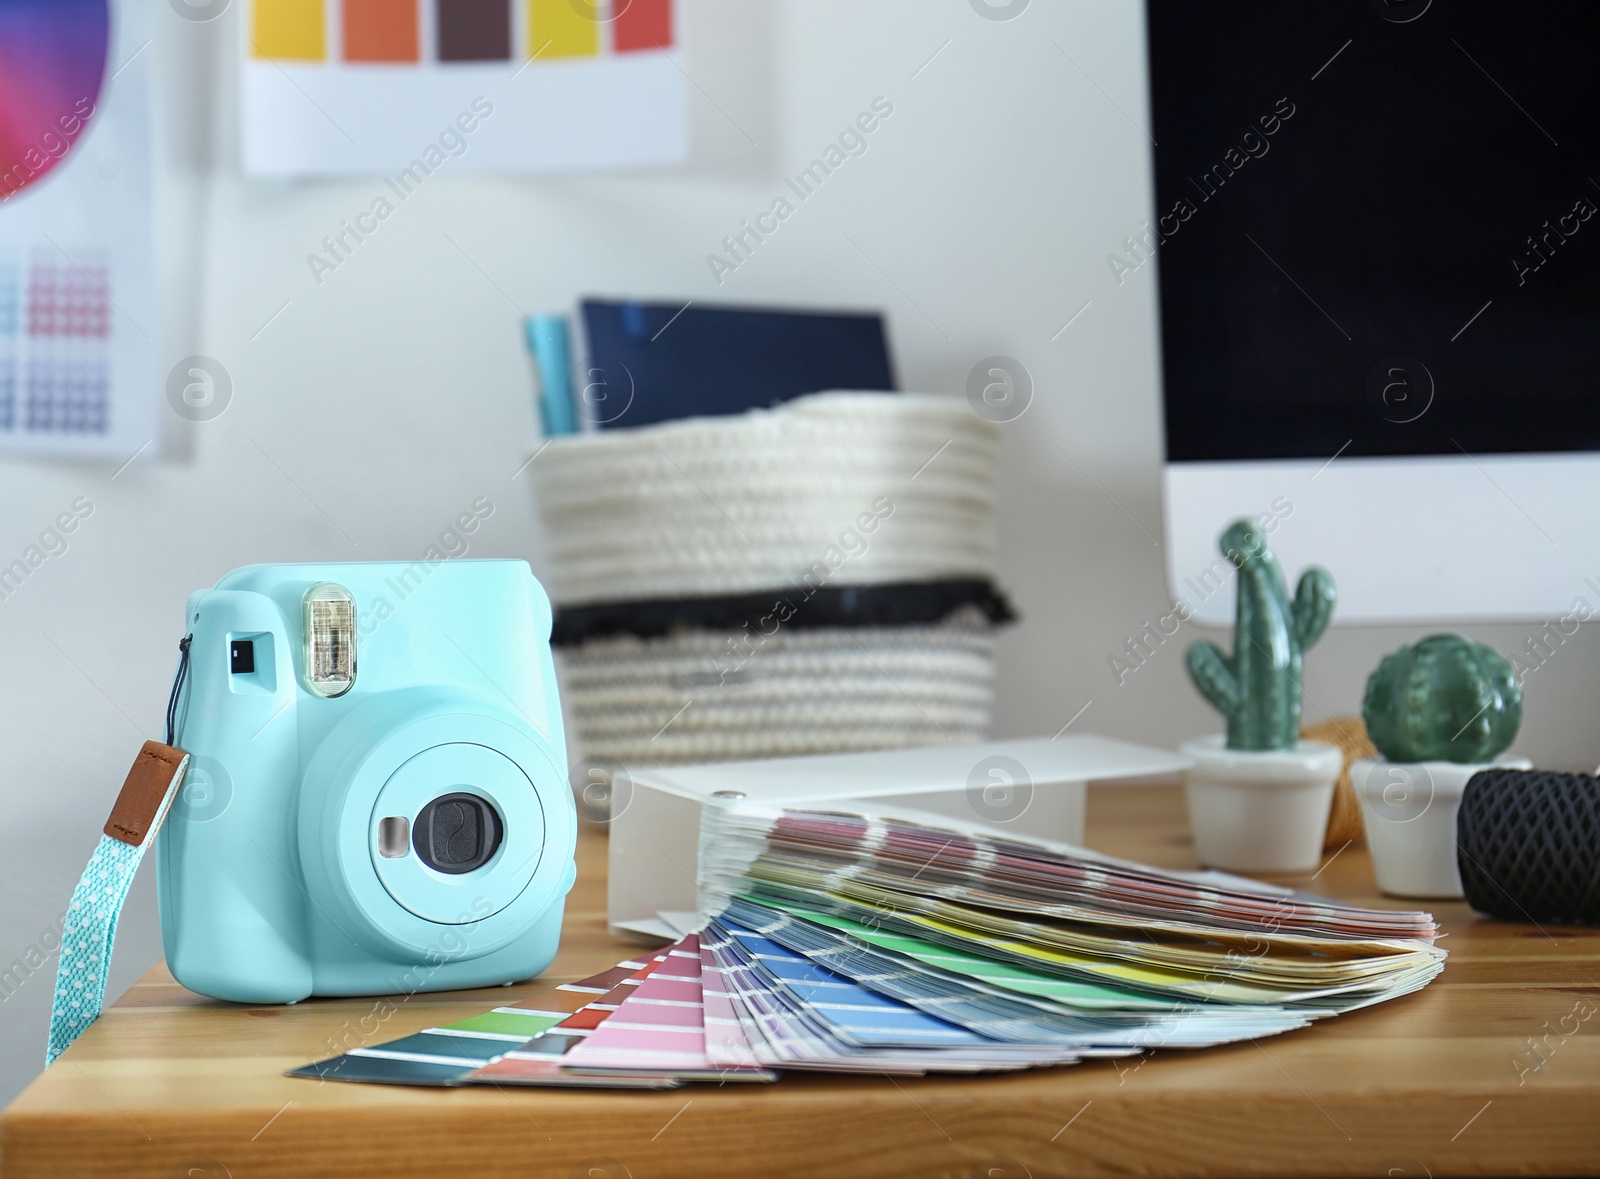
(419, 86)
(78, 316)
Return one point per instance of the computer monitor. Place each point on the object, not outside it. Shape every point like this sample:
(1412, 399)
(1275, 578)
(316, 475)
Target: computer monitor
(1379, 260)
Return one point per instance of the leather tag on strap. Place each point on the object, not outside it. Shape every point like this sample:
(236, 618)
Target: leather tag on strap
(138, 808)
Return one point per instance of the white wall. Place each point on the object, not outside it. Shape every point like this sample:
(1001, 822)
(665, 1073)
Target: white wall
(398, 391)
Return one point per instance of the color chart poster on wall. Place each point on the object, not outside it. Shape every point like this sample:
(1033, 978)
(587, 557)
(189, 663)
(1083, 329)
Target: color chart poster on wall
(408, 88)
(78, 313)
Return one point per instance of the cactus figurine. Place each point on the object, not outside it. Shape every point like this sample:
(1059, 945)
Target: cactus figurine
(1444, 699)
(1258, 687)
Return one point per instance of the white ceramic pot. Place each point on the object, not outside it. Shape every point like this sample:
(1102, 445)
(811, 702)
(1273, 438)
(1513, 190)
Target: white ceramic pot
(1260, 811)
(1410, 813)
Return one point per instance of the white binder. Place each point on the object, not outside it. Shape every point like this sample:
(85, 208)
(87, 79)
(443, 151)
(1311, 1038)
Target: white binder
(1032, 787)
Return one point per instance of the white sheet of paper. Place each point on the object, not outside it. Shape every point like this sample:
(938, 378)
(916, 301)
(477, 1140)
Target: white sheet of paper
(333, 117)
(78, 245)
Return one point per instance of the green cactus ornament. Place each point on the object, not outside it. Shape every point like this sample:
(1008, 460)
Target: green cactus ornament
(1258, 687)
(1444, 699)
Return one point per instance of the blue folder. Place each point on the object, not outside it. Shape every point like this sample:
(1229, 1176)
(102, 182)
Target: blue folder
(654, 362)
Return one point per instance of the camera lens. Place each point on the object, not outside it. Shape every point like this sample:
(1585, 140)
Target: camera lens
(457, 833)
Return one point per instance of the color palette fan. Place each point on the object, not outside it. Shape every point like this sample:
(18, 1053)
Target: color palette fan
(910, 944)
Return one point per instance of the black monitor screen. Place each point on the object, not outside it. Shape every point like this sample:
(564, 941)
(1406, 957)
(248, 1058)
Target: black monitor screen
(1376, 226)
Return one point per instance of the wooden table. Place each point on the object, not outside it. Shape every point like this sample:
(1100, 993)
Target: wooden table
(1492, 1070)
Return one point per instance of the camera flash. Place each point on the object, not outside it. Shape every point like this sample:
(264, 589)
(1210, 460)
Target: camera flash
(330, 633)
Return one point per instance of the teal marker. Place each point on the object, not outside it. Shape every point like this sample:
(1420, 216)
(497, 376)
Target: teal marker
(552, 355)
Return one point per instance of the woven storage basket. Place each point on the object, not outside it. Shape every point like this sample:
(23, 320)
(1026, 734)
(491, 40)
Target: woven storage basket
(753, 501)
(701, 696)
(828, 491)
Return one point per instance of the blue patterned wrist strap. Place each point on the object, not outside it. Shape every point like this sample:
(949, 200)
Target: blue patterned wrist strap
(91, 923)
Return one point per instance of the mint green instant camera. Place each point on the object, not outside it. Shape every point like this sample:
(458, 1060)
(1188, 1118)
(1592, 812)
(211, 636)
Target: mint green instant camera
(377, 799)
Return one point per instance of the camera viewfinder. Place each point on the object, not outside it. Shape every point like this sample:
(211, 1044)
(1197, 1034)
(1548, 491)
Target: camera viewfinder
(242, 657)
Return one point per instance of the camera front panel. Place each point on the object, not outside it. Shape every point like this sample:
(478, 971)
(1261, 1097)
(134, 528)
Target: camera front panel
(461, 775)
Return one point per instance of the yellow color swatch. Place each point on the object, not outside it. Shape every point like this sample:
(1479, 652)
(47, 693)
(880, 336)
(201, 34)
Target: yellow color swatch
(289, 29)
(565, 28)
